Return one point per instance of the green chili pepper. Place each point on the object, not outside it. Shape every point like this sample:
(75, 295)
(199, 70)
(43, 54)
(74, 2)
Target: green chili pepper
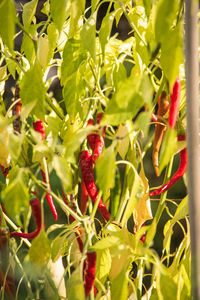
(115, 194)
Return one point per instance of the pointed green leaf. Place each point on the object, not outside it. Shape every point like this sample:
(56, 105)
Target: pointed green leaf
(103, 265)
(88, 35)
(59, 12)
(105, 168)
(43, 51)
(27, 44)
(29, 10)
(7, 22)
(77, 9)
(16, 196)
(40, 251)
(33, 90)
(119, 286)
(75, 289)
(63, 171)
(105, 30)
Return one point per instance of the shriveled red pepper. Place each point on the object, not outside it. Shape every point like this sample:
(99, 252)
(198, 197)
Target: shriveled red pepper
(36, 210)
(8, 282)
(89, 269)
(39, 127)
(16, 111)
(174, 103)
(179, 173)
(86, 164)
(163, 106)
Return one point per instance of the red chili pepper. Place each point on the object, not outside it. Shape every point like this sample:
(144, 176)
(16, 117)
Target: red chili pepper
(86, 164)
(174, 104)
(36, 210)
(39, 127)
(100, 140)
(163, 106)
(4, 171)
(89, 272)
(16, 111)
(84, 197)
(179, 173)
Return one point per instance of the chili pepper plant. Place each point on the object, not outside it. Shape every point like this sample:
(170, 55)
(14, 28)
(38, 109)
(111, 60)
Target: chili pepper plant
(93, 154)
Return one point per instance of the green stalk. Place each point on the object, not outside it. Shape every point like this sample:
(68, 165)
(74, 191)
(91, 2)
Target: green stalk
(50, 103)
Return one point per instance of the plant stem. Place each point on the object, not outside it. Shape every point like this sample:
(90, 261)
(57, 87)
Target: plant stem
(50, 103)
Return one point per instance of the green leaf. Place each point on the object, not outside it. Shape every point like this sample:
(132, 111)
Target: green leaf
(105, 168)
(105, 30)
(88, 35)
(75, 289)
(40, 251)
(107, 242)
(16, 196)
(172, 53)
(77, 9)
(130, 96)
(7, 22)
(119, 286)
(164, 19)
(59, 12)
(147, 5)
(73, 56)
(63, 171)
(103, 265)
(53, 34)
(167, 152)
(29, 10)
(43, 51)
(27, 44)
(56, 247)
(14, 145)
(33, 90)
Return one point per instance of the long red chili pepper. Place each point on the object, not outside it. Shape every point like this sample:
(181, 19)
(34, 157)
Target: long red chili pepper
(36, 210)
(89, 272)
(91, 138)
(179, 173)
(39, 127)
(174, 103)
(100, 140)
(86, 164)
(163, 106)
(84, 197)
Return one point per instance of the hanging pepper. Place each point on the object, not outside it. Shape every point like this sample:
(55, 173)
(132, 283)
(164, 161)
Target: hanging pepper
(84, 197)
(39, 127)
(163, 106)
(36, 210)
(86, 164)
(91, 138)
(174, 103)
(16, 111)
(8, 282)
(89, 269)
(179, 173)
(115, 194)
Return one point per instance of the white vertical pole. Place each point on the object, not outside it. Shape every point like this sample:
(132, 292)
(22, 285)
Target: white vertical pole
(192, 109)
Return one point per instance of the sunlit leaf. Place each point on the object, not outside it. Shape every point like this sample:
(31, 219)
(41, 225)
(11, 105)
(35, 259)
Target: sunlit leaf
(119, 287)
(59, 12)
(167, 152)
(105, 168)
(43, 50)
(29, 12)
(88, 35)
(103, 265)
(63, 171)
(105, 30)
(7, 22)
(75, 289)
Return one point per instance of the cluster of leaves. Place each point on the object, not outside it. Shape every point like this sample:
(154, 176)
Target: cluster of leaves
(97, 72)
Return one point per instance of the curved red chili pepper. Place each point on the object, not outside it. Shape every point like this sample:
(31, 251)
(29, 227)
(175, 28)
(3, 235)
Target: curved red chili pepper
(179, 173)
(84, 197)
(174, 104)
(36, 210)
(39, 127)
(89, 269)
(86, 164)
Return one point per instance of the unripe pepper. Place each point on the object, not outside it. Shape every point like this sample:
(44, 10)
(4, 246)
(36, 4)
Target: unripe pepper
(179, 173)
(86, 164)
